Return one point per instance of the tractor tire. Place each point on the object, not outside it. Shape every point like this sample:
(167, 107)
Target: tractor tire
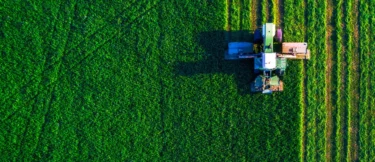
(258, 39)
(256, 71)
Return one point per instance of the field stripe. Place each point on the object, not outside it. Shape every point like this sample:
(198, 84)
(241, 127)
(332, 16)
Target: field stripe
(364, 51)
(264, 7)
(295, 32)
(279, 13)
(321, 93)
(316, 114)
(311, 96)
(271, 12)
(228, 21)
(328, 81)
(256, 14)
(341, 75)
(351, 13)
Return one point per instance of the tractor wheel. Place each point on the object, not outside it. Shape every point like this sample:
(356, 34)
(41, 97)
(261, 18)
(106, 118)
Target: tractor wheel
(258, 39)
(256, 71)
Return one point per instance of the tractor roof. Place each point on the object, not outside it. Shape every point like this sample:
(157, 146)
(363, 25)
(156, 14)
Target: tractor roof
(269, 60)
(268, 34)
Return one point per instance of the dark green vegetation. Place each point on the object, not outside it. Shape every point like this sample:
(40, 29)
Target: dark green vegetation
(141, 80)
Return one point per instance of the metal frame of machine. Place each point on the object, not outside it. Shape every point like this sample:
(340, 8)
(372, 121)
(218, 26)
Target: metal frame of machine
(268, 64)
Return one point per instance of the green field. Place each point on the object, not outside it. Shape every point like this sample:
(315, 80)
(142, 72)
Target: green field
(147, 81)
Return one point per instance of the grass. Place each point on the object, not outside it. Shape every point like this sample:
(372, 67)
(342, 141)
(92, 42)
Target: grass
(145, 81)
(371, 100)
(136, 80)
(364, 86)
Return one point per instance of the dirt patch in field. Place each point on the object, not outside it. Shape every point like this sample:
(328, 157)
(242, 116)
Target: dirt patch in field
(354, 92)
(328, 99)
(280, 14)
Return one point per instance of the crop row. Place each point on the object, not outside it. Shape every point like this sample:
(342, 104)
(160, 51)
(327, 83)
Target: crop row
(351, 80)
(371, 98)
(339, 152)
(372, 73)
(294, 31)
(364, 106)
(316, 76)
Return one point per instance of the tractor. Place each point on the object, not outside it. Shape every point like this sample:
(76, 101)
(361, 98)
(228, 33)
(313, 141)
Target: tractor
(269, 65)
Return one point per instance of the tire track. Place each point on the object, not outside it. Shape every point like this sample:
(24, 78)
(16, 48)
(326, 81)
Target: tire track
(328, 81)
(34, 106)
(253, 16)
(258, 12)
(86, 56)
(229, 20)
(51, 96)
(88, 37)
(354, 122)
(74, 65)
(280, 13)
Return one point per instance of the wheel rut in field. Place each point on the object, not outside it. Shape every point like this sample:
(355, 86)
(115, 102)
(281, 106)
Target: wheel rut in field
(258, 11)
(253, 16)
(328, 81)
(280, 13)
(71, 50)
(229, 19)
(354, 117)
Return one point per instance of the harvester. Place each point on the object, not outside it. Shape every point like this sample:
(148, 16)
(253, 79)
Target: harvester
(269, 65)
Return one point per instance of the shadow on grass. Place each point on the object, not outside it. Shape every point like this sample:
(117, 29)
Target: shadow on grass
(215, 43)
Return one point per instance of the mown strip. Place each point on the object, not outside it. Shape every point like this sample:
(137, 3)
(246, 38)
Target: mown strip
(352, 80)
(320, 92)
(272, 7)
(316, 114)
(340, 138)
(264, 6)
(330, 74)
(311, 96)
(294, 31)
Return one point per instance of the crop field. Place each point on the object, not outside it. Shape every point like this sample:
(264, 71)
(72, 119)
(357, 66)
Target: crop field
(138, 80)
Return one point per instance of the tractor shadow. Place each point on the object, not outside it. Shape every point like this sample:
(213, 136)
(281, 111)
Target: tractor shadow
(215, 43)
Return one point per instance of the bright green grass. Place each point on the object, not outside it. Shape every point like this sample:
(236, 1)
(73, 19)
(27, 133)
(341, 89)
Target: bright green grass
(365, 105)
(315, 144)
(136, 80)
